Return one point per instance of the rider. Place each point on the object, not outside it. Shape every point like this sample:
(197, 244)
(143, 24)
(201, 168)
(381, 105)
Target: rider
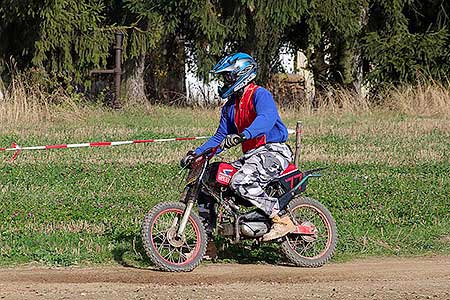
(250, 117)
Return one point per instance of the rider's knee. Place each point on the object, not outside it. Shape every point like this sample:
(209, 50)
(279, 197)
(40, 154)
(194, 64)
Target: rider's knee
(236, 183)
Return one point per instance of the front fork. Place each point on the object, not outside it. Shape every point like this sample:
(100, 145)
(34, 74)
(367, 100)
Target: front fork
(184, 220)
(189, 196)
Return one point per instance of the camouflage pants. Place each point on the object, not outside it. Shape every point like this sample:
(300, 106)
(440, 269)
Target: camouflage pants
(256, 169)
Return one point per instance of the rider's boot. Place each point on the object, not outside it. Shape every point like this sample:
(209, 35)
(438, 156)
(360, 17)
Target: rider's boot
(280, 227)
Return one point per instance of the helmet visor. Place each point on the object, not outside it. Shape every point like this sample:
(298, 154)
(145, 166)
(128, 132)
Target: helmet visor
(228, 78)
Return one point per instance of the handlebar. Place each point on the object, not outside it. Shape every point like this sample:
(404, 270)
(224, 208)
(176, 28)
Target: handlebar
(208, 153)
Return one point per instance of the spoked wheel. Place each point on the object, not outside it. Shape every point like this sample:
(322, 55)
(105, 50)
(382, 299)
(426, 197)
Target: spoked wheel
(312, 250)
(165, 248)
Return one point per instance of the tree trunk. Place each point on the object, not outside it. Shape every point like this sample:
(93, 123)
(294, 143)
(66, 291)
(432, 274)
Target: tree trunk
(346, 63)
(2, 90)
(302, 68)
(175, 81)
(165, 78)
(351, 58)
(135, 84)
(358, 58)
(319, 66)
(358, 80)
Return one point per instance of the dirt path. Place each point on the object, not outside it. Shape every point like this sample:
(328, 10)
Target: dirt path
(390, 278)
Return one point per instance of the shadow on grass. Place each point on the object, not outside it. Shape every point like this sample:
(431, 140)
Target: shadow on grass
(248, 252)
(129, 252)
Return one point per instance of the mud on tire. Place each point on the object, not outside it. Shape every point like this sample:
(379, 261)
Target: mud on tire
(303, 209)
(158, 240)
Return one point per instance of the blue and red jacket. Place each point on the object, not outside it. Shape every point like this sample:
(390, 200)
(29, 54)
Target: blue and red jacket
(254, 114)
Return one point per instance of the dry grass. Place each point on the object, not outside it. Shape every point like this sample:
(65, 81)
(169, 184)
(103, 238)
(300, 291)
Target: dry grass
(27, 103)
(423, 100)
(20, 103)
(431, 99)
(412, 126)
(30, 104)
(341, 100)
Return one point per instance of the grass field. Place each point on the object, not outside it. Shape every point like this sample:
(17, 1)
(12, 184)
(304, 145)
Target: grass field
(388, 182)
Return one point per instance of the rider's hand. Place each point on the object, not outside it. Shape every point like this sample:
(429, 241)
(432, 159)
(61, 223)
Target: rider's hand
(187, 159)
(232, 140)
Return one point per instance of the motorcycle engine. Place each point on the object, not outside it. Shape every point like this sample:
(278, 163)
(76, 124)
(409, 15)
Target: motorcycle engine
(254, 229)
(226, 229)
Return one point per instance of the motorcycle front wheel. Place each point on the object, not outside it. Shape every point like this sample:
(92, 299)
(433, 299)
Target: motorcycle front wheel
(310, 250)
(167, 250)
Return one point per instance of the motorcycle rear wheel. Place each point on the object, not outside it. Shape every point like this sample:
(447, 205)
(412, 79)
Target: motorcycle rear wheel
(316, 250)
(167, 251)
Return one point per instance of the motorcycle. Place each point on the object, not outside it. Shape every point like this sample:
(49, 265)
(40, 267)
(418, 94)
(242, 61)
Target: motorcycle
(175, 239)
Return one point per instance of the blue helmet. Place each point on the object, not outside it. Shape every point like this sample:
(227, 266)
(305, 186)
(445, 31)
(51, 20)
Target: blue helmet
(238, 70)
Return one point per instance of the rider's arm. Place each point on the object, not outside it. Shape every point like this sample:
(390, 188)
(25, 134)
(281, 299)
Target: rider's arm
(219, 136)
(266, 114)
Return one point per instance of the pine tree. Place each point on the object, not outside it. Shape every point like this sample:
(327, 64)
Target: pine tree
(329, 35)
(407, 40)
(255, 27)
(384, 41)
(68, 38)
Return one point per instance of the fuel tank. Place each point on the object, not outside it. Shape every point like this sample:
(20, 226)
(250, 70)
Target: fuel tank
(224, 173)
(219, 174)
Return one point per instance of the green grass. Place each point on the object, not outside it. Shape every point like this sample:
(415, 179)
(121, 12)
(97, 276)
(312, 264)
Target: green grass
(387, 185)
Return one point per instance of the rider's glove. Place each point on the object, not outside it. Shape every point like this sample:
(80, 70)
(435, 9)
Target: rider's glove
(187, 159)
(232, 140)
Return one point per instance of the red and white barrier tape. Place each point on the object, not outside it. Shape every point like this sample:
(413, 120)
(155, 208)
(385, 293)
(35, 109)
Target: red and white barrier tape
(18, 149)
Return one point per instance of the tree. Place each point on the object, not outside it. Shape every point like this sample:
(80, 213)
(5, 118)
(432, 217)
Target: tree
(329, 34)
(345, 40)
(68, 38)
(13, 15)
(187, 26)
(148, 27)
(407, 40)
(64, 36)
(255, 27)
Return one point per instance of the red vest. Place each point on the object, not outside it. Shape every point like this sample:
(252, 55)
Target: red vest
(244, 115)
